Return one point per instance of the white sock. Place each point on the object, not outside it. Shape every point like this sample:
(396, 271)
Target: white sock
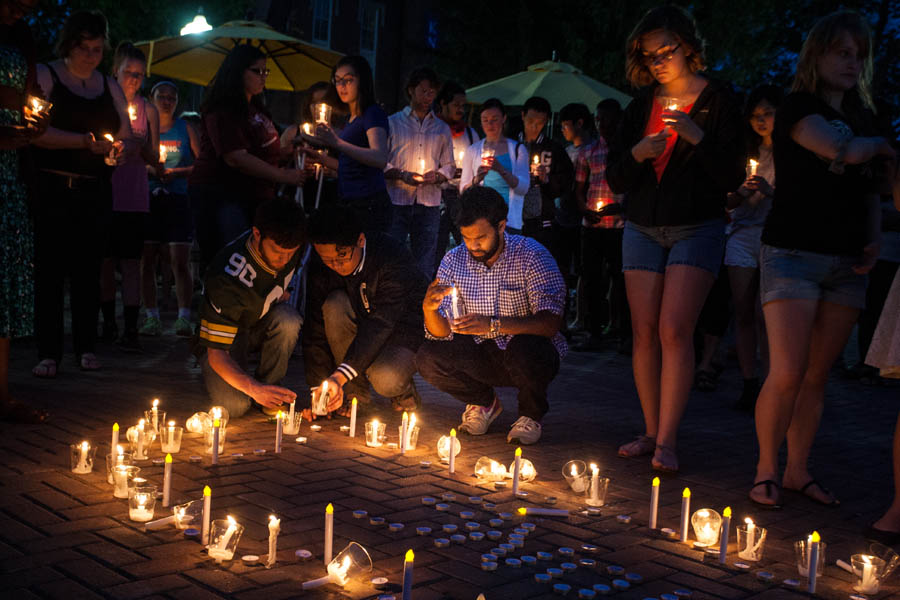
(184, 313)
(152, 312)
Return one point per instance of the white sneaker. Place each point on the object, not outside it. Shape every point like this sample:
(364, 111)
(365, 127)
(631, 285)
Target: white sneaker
(524, 431)
(477, 419)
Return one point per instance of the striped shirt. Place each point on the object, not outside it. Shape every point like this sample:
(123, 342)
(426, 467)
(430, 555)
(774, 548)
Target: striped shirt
(418, 147)
(523, 282)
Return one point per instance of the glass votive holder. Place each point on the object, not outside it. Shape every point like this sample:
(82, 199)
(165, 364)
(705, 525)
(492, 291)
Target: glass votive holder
(170, 439)
(198, 422)
(209, 440)
(706, 524)
(751, 543)
(292, 427)
(141, 502)
(188, 514)
(575, 472)
(490, 470)
(375, 434)
(443, 447)
(224, 536)
(801, 551)
(322, 113)
(141, 437)
(413, 436)
(870, 570)
(220, 413)
(157, 422)
(527, 472)
(598, 499)
(114, 460)
(38, 105)
(122, 477)
(82, 457)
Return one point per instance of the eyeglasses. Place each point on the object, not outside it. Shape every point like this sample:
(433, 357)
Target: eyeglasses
(664, 56)
(343, 81)
(341, 257)
(260, 72)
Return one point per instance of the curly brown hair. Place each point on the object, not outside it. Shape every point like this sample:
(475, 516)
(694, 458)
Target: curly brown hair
(676, 21)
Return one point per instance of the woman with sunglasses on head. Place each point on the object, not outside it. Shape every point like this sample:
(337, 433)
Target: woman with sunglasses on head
(362, 145)
(820, 239)
(677, 156)
(240, 153)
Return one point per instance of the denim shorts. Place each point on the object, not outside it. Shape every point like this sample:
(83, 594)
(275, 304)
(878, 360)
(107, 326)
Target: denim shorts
(800, 274)
(655, 248)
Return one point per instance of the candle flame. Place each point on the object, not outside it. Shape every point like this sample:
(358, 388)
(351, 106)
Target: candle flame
(866, 559)
(686, 493)
(272, 519)
(155, 402)
(231, 521)
(115, 426)
(216, 412)
(574, 471)
(748, 521)
(120, 450)
(727, 512)
(85, 446)
(655, 482)
(109, 137)
(141, 423)
(280, 415)
(329, 510)
(536, 159)
(36, 104)
(306, 129)
(594, 468)
(207, 491)
(753, 163)
(409, 556)
(375, 423)
(132, 112)
(518, 451)
(168, 459)
(815, 538)
(412, 421)
(171, 423)
(462, 155)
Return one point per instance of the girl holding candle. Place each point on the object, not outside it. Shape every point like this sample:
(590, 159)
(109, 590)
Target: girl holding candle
(748, 207)
(170, 227)
(131, 202)
(819, 241)
(74, 193)
(361, 145)
(675, 168)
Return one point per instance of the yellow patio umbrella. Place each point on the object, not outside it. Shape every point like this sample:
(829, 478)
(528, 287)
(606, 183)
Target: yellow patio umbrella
(560, 83)
(195, 57)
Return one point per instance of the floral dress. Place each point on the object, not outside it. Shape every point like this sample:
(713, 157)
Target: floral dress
(16, 232)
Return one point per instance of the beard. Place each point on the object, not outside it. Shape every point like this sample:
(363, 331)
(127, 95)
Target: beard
(484, 256)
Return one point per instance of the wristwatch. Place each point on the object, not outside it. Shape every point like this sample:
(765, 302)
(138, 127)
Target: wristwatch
(495, 325)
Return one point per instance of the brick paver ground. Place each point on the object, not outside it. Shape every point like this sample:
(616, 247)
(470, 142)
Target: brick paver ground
(65, 536)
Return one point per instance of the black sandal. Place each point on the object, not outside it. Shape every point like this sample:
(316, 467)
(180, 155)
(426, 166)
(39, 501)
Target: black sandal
(769, 485)
(825, 490)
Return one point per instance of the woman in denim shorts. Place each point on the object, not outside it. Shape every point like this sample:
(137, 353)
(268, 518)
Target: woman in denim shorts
(677, 156)
(819, 240)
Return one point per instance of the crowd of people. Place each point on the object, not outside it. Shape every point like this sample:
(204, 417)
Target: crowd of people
(654, 228)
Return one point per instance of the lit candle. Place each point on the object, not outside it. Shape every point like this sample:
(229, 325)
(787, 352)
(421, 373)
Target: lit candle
(422, 166)
(595, 485)
(404, 425)
(36, 104)
(279, 430)
(141, 512)
(274, 530)
(723, 540)
(373, 434)
(685, 513)
(291, 413)
(329, 532)
(82, 466)
(408, 575)
(543, 512)
(215, 441)
(353, 404)
(163, 153)
(167, 481)
(454, 303)
(462, 156)
(868, 583)
(154, 414)
(207, 507)
(654, 502)
(109, 137)
(139, 453)
(226, 537)
(409, 429)
(322, 118)
(115, 437)
(452, 454)
(813, 564)
(132, 113)
(749, 552)
(753, 165)
(307, 129)
(517, 469)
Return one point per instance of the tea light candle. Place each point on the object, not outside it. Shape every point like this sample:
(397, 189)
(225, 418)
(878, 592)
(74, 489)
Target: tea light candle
(442, 507)
(279, 431)
(685, 514)
(544, 556)
(542, 577)
(458, 538)
(423, 530)
(723, 540)
(353, 404)
(561, 589)
(448, 497)
(568, 567)
(517, 469)
(429, 501)
(466, 514)
(207, 501)
(395, 527)
(654, 501)
(82, 466)
(360, 514)
(555, 572)
(489, 566)
(329, 532)
(377, 521)
(476, 536)
(494, 535)
(167, 481)
(813, 564)
(441, 542)
(215, 441)
(114, 443)
(449, 528)
(513, 562)
(274, 530)
(602, 589)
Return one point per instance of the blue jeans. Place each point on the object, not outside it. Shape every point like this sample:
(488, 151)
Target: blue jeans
(421, 224)
(275, 336)
(655, 248)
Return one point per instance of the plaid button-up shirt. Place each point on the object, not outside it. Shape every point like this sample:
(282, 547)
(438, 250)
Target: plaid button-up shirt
(412, 141)
(523, 282)
(590, 166)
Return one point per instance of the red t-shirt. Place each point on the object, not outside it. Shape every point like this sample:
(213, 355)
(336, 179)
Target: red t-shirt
(220, 133)
(655, 125)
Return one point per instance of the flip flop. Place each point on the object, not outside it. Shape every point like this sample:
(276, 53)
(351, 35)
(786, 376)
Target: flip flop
(669, 464)
(640, 446)
(46, 369)
(88, 362)
(777, 497)
(826, 491)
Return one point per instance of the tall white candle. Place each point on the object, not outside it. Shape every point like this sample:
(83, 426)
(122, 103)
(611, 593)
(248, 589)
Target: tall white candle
(154, 414)
(723, 539)
(654, 502)
(454, 303)
(291, 412)
(115, 437)
(595, 485)
(452, 456)
(517, 469)
(139, 453)
(422, 166)
(215, 442)
(813, 564)
(82, 466)
(749, 552)
(353, 404)
(226, 537)
(329, 532)
(279, 431)
(274, 530)
(207, 508)
(408, 575)
(408, 433)
(167, 481)
(685, 514)
(868, 583)
(404, 425)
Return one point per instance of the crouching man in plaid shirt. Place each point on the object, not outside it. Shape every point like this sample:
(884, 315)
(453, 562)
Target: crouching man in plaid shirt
(509, 301)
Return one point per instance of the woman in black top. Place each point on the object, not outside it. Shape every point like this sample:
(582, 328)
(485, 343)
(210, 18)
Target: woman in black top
(819, 240)
(74, 195)
(677, 156)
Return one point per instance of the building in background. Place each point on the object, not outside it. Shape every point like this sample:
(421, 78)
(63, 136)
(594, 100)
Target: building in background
(394, 35)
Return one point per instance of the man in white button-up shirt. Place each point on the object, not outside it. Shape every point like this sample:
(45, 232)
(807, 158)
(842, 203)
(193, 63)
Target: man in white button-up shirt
(420, 161)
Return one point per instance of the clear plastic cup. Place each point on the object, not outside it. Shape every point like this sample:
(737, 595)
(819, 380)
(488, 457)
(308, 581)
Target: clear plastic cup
(141, 502)
(113, 460)
(375, 434)
(82, 457)
(123, 475)
(575, 472)
(801, 551)
(170, 438)
(751, 550)
(224, 535)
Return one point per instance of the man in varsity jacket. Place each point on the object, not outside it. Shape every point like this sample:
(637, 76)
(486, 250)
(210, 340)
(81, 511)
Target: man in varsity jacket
(244, 309)
(363, 322)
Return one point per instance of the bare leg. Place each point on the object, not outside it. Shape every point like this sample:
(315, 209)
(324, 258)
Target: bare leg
(830, 333)
(685, 291)
(148, 274)
(890, 521)
(790, 325)
(745, 291)
(645, 291)
(180, 255)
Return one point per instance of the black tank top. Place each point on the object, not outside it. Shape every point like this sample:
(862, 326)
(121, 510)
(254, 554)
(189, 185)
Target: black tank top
(76, 114)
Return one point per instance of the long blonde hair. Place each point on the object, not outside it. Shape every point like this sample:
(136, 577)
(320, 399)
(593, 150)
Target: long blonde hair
(822, 37)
